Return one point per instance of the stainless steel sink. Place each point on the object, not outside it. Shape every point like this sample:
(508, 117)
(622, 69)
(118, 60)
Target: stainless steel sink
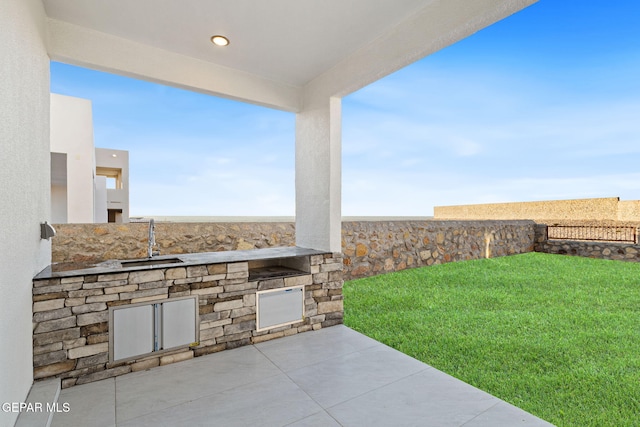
(146, 262)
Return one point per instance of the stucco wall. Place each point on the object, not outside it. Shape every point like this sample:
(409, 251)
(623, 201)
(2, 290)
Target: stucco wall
(24, 187)
(72, 133)
(369, 247)
(629, 210)
(579, 209)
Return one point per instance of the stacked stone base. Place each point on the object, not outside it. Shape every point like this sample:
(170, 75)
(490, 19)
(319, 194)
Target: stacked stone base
(602, 250)
(71, 314)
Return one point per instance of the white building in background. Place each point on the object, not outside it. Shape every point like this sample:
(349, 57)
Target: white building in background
(112, 185)
(88, 185)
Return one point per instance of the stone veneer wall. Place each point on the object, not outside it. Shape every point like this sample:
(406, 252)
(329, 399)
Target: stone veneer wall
(71, 316)
(369, 247)
(377, 247)
(101, 242)
(602, 250)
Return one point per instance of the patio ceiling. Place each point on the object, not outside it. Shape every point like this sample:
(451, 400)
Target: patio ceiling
(287, 41)
(278, 48)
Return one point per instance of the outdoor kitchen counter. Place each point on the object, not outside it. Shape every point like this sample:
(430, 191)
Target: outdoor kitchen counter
(61, 270)
(124, 316)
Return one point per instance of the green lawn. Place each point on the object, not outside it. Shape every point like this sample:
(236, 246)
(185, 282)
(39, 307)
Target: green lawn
(557, 336)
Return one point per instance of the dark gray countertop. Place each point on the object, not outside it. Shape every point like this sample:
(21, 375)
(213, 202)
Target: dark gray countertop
(169, 261)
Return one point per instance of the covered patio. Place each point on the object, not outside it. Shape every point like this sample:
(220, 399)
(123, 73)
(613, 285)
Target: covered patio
(301, 57)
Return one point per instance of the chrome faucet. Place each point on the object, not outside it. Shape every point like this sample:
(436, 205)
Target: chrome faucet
(152, 239)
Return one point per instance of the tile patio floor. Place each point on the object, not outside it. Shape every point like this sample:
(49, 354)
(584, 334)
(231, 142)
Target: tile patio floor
(331, 377)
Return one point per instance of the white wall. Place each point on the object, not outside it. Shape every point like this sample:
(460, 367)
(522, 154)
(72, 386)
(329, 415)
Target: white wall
(58, 204)
(58, 188)
(72, 133)
(100, 200)
(24, 187)
(319, 176)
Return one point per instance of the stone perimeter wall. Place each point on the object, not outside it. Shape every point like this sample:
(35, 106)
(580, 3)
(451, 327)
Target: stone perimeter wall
(602, 250)
(369, 247)
(71, 315)
(101, 242)
(377, 247)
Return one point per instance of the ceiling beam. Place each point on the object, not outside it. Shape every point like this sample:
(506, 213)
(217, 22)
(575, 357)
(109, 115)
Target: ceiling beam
(88, 48)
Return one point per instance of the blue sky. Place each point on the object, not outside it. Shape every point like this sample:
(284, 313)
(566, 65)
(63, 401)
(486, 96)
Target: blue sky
(544, 105)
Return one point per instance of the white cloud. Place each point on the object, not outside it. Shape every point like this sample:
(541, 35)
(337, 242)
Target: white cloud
(465, 147)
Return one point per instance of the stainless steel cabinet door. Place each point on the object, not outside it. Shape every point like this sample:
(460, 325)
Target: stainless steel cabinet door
(132, 331)
(280, 307)
(178, 322)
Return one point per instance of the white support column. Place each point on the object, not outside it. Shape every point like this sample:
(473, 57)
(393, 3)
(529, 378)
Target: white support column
(319, 176)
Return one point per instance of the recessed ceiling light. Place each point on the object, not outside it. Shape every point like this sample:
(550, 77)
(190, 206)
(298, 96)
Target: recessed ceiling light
(220, 40)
